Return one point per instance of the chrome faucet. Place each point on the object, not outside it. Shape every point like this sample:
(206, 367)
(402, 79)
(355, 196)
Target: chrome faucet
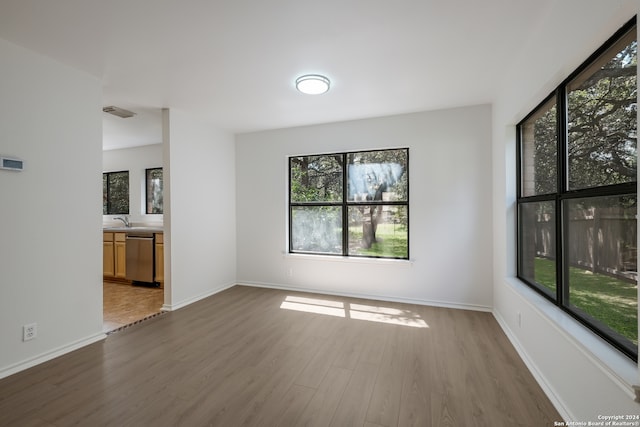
(125, 220)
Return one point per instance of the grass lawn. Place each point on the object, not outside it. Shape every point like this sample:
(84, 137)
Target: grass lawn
(613, 302)
(391, 241)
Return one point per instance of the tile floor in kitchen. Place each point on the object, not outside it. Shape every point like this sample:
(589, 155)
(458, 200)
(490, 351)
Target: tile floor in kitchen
(124, 304)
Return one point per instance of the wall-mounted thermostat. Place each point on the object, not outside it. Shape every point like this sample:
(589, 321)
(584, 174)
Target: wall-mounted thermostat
(11, 164)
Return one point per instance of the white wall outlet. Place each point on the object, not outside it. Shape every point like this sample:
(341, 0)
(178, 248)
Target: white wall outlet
(29, 331)
(290, 272)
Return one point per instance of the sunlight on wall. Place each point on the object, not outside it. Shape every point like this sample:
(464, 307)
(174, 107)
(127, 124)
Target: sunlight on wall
(369, 313)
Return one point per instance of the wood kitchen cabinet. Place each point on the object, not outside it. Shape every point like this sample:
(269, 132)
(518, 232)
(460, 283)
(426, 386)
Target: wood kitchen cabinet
(114, 255)
(120, 255)
(108, 260)
(159, 259)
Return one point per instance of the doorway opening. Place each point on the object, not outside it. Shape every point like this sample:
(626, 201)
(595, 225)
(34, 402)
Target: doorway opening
(133, 148)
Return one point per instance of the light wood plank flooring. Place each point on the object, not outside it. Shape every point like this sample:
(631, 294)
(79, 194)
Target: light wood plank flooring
(261, 357)
(123, 304)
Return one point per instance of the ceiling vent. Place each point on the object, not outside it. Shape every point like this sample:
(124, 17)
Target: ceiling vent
(117, 111)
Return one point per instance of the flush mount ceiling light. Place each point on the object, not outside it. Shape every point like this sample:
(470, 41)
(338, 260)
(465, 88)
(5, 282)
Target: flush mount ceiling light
(312, 84)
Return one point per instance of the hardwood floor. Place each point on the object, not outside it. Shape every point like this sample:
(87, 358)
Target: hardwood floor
(252, 356)
(124, 304)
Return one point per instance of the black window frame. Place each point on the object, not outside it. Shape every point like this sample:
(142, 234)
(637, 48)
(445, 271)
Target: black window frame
(106, 194)
(146, 191)
(564, 194)
(345, 204)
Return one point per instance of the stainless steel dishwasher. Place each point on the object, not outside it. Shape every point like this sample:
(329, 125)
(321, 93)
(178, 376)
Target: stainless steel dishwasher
(140, 257)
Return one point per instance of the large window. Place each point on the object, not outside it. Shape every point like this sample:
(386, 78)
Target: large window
(115, 193)
(350, 204)
(577, 194)
(153, 186)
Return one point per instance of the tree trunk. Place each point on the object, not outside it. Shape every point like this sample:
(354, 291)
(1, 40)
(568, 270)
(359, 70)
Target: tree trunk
(368, 235)
(370, 226)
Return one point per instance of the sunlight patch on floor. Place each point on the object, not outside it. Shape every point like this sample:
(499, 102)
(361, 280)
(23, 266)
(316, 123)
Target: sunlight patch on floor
(310, 308)
(389, 315)
(315, 301)
(370, 313)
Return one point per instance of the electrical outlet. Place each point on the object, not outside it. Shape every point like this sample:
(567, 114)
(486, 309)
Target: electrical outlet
(519, 320)
(29, 331)
(290, 272)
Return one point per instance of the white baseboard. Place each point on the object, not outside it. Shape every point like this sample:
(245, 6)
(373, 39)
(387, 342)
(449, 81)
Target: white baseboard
(434, 303)
(26, 364)
(555, 399)
(620, 370)
(188, 301)
(44, 357)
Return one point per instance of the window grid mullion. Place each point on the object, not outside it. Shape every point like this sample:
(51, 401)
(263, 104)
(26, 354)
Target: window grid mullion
(562, 267)
(345, 210)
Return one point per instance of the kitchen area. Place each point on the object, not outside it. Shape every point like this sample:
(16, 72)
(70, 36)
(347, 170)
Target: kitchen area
(133, 275)
(133, 232)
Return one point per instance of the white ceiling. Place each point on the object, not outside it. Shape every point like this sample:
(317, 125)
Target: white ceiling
(234, 62)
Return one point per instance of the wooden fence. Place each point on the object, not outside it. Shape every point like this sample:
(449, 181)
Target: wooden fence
(600, 239)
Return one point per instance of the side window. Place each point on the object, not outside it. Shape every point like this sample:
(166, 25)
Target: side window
(115, 193)
(577, 194)
(153, 186)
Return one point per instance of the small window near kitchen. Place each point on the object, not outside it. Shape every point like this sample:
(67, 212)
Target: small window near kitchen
(115, 193)
(154, 190)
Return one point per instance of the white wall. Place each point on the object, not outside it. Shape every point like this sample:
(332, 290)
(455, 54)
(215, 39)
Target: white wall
(50, 214)
(450, 216)
(582, 375)
(135, 160)
(199, 210)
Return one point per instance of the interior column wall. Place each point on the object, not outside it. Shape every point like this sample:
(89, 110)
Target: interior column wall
(200, 211)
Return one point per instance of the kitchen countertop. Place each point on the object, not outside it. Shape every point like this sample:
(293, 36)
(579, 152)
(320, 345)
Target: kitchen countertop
(134, 229)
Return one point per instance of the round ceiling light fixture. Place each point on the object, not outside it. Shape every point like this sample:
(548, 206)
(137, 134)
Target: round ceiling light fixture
(312, 84)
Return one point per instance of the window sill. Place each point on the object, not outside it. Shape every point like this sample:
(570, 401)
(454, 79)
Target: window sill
(350, 260)
(622, 370)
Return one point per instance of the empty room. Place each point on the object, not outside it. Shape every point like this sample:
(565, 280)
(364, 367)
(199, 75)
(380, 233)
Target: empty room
(365, 213)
